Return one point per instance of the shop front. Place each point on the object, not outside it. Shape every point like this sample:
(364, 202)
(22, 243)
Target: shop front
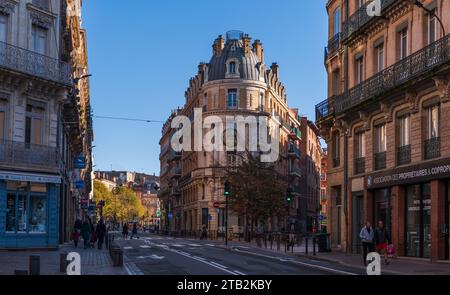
(413, 202)
(28, 210)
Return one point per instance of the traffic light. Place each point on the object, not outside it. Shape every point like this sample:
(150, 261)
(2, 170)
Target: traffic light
(227, 189)
(289, 195)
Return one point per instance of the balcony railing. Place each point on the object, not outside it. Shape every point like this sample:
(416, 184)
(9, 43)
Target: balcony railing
(404, 155)
(174, 156)
(294, 171)
(360, 165)
(294, 151)
(334, 44)
(295, 133)
(413, 66)
(432, 148)
(31, 63)
(28, 156)
(380, 160)
(360, 18)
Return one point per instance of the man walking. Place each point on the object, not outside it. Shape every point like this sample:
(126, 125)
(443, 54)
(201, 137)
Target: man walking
(100, 231)
(367, 235)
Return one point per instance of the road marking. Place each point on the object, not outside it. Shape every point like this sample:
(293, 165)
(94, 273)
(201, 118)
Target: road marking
(194, 245)
(206, 262)
(301, 263)
(127, 248)
(218, 264)
(199, 257)
(241, 273)
(177, 245)
(145, 246)
(210, 245)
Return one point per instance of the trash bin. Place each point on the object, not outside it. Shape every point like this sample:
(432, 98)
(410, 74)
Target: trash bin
(323, 242)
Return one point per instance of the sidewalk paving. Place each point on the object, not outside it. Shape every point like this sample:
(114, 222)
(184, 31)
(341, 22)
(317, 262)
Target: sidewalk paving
(93, 261)
(397, 266)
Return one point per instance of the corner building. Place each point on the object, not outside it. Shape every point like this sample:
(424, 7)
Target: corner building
(387, 124)
(235, 82)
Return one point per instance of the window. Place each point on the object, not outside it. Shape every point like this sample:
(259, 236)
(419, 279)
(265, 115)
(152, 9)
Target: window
(359, 69)
(34, 124)
(360, 145)
(380, 140)
(337, 21)
(232, 67)
(431, 26)
(232, 99)
(39, 39)
(433, 122)
(42, 4)
(3, 27)
(205, 102)
(404, 125)
(11, 212)
(2, 118)
(379, 57)
(402, 41)
(38, 214)
(205, 215)
(336, 80)
(336, 150)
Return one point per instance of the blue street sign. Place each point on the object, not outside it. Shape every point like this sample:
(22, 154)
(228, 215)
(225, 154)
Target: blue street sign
(321, 217)
(209, 217)
(170, 215)
(79, 184)
(79, 162)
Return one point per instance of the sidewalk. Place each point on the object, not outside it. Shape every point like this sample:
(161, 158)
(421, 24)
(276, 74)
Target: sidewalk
(397, 266)
(93, 261)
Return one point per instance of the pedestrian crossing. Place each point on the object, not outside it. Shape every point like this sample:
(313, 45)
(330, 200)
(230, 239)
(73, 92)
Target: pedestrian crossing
(168, 244)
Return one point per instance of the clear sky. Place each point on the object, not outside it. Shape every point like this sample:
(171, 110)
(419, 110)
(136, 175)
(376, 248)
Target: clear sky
(142, 54)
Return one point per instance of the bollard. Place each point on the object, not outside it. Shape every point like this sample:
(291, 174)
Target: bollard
(20, 272)
(63, 262)
(35, 265)
(306, 245)
(314, 246)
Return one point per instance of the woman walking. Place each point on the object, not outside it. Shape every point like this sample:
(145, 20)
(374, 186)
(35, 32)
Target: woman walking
(76, 232)
(125, 231)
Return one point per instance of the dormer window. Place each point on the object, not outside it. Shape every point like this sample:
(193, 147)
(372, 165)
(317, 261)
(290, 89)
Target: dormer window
(232, 68)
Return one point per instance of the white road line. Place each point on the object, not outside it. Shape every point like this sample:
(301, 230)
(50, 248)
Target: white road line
(206, 262)
(201, 258)
(127, 247)
(177, 245)
(210, 245)
(145, 246)
(302, 263)
(194, 245)
(220, 265)
(238, 272)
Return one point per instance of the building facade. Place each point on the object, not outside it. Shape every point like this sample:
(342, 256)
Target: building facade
(236, 81)
(36, 147)
(386, 124)
(324, 192)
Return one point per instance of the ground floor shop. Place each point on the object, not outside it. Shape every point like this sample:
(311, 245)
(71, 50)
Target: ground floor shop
(414, 204)
(29, 210)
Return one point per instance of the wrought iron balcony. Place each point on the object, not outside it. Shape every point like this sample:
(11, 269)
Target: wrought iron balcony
(432, 148)
(294, 171)
(174, 156)
(22, 155)
(176, 172)
(380, 160)
(334, 44)
(294, 151)
(31, 63)
(404, 155)
(360, 18)
(360, 165)
(418, 64)
(295, 133)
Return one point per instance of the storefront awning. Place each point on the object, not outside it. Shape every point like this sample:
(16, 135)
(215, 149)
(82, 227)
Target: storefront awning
(32, 177)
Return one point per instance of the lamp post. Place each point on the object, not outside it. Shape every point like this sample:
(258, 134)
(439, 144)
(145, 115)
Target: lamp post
(430, 12)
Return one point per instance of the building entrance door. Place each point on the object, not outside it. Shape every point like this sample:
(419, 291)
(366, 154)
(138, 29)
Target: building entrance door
(357, 222)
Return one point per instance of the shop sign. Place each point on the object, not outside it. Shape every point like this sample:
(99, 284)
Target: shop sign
(79, 162)
(79, 184)
(408, 175)
(29, 177)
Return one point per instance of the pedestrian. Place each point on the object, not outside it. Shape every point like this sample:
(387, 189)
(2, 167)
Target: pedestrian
(204, 233)
(76, 232)
(93, 234)
(86, 233)
(367, 236)
(125, 231)
(382, 241)
(134, 231)
(100, 231)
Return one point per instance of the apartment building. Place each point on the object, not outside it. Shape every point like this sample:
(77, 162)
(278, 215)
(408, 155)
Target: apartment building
(386, 123)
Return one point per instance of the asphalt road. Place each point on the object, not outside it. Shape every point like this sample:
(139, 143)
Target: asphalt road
(157, 255)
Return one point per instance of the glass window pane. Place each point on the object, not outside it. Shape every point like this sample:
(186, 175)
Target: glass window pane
(38, 212)
(413, 203)
(22, 213)
(11, 212)
(426, 219)
(3, 27)
(2, 125)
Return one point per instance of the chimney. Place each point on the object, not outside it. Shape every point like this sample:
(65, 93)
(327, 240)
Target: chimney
(259, 51)
(274, 68)
(218, 45)
(247, 48)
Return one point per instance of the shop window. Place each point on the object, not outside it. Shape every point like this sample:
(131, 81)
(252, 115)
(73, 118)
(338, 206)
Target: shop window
(38, 214)
(11, 212)
(382, 207)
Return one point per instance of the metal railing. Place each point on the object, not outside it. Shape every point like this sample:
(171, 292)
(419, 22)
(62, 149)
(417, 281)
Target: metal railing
(432, 148)
(360, 18)
(294, 151)
(31, 63)
(334, 44)
(294, 171)
(13, 153)
(296, 132)
(380, 160)
(404, 155)
(413, 66)
(360, 165)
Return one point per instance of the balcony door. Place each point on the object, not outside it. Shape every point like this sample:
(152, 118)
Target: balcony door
(34, 125)
(3, 27)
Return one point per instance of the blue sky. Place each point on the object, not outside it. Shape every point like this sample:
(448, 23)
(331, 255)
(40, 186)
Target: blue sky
(143, 52)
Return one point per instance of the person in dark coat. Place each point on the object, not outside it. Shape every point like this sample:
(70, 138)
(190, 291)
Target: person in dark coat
(100, 231)
(382, 240)
(76, 231)
(134, 231)
(125, 231)
(86, 233)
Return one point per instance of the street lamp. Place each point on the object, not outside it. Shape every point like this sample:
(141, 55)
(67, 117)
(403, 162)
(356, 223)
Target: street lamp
(430, 12)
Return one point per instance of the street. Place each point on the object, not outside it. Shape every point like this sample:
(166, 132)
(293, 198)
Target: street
(160, 255)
